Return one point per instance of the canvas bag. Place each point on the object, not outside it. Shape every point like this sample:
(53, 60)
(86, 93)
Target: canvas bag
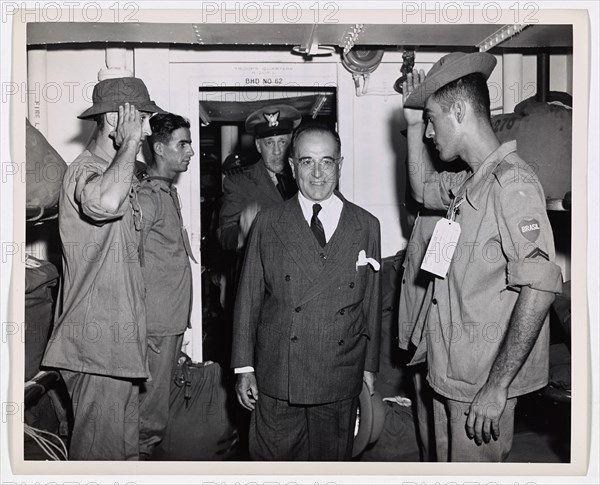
(199, 426)
(44, 170)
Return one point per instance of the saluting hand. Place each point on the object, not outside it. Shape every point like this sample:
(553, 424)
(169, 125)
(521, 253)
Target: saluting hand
(412, 116)
(129, 126)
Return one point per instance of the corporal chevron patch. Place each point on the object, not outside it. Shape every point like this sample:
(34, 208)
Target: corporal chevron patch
(538, 253)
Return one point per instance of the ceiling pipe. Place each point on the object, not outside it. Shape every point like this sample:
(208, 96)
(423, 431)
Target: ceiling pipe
(512, 81)
(116, 65)
(310, 47)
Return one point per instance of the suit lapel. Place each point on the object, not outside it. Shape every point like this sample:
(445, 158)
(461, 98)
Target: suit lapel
(264, 182)
(297, 238)
(340, 247)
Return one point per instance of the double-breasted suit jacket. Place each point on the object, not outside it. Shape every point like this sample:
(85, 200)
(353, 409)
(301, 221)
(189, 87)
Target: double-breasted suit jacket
(252, 184)
(308, 318)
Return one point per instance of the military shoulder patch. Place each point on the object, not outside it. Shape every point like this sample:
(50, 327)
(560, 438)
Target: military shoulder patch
(530, 229)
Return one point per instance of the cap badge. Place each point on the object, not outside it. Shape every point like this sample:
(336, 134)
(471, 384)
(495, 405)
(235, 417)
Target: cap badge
(272, 118)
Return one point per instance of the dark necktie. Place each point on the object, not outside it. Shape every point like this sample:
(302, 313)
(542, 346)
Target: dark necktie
(316, 226)
(286, 185)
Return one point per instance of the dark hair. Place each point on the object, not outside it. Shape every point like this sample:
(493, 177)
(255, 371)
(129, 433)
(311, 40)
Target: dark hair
(472, 88)
(316, 127)
(163, 125)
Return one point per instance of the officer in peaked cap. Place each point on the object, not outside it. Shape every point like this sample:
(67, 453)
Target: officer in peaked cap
(267, 182)
(279, 119)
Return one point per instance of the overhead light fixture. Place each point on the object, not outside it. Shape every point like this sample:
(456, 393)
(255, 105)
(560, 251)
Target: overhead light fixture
(502, 34)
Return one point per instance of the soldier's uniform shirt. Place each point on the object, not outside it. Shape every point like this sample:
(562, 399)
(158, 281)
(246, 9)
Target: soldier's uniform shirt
(166, 268)
(412, 303)
(167, 274)
(102, 326)
(505, 243)
(99, 338)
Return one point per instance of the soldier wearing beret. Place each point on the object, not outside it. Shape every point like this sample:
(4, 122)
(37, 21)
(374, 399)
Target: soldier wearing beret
(485, 332)
(99, 337)
(268, 182)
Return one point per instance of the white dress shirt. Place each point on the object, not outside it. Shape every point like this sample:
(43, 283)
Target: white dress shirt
(331, 210)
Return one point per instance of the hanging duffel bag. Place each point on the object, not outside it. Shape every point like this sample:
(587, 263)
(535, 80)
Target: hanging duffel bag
(200, 427)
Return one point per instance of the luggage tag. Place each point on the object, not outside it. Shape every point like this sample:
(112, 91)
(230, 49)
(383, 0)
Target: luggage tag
(443, 243)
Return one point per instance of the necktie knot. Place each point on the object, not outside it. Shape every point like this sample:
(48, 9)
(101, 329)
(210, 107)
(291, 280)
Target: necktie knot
(316, 209)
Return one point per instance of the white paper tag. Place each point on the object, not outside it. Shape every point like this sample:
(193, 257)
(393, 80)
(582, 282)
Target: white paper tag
(441, 247)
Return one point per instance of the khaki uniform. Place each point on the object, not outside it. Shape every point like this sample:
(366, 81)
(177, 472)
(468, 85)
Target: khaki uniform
(99, 338)
(505, 243)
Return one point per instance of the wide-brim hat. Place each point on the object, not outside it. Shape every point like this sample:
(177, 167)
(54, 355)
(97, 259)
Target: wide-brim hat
(109, 94)
(450, 68)
(370, 418)
(276, 119)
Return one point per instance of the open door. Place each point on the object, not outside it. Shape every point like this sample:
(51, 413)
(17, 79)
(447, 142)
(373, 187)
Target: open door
(226, 148)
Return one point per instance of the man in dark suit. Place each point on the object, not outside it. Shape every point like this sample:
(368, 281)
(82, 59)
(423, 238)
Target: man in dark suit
(308, 312)
(267, 182)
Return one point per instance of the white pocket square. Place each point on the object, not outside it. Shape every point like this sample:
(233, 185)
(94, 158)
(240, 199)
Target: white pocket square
(363, 260)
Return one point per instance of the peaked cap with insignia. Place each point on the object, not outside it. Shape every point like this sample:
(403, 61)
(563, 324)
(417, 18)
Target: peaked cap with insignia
(277, 119)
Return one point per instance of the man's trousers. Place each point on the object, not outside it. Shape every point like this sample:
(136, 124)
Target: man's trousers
(452, 442)
(286, 432)
(155, 394)
(105, 412)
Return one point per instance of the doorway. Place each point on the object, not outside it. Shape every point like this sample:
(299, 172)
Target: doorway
(225, 149)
